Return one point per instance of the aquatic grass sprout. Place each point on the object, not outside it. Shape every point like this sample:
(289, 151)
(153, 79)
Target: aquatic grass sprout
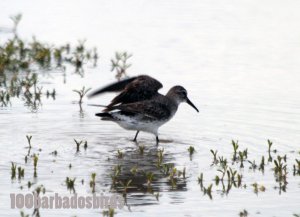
(29, 137)
(243, 213)
(21, 172)
(214, 153)
(191, 151)
(93, 182)
(119, 64)
(208, 191)
(125, 185)
(235, 148)
(82, 93)
(258, 188)
(70, 184)
(23, 214)
(296, 167)
(79, 143)
(200, 180)
(134, 170)
(150, 178)
(13, 170)
(120, 154)
(108, 213)
(35, 160)
(141, 149)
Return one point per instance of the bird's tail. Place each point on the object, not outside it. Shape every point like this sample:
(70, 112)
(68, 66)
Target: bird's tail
(105, 116)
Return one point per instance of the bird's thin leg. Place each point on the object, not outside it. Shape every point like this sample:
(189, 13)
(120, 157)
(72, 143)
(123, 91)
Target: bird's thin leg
(157, 140)
(137, 133)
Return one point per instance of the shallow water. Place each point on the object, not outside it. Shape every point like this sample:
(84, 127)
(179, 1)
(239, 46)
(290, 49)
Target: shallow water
(239, 62)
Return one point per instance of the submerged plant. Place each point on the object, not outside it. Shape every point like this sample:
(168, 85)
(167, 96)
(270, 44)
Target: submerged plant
(85, 145)
(78, 143)
(35, 161)
(191, 151)
(214, 153)
(70, 184)
(243, 213)
(23, 214)
(93, 182)
(16, 20)
(13, 170)
(269, 150)
(258, 188)
(109, 213)
(19, 57)
(149, 177)
(120, 154)
(134, 170)
(21, 172)
(296, 167)
(208, 191)
(262, 164)
(141, 149)
(200, 180)
(235, 148)
(125, 185)
(160, 154)
(82, 93)
(119, 64)
(29, 137)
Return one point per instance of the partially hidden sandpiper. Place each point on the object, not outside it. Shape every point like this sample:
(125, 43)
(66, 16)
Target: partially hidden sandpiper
(139, 106)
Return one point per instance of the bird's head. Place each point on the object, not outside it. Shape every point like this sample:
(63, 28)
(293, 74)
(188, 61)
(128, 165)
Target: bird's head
(179, 94)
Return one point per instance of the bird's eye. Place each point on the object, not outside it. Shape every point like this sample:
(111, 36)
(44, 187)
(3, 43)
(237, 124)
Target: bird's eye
(183, 93)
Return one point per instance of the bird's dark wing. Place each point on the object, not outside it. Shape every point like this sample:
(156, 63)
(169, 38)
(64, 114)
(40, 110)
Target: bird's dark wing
(134, 89)
(152, 109)
(114, 87)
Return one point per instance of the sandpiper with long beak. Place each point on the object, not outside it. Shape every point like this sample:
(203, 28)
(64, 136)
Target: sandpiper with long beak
(139, 106)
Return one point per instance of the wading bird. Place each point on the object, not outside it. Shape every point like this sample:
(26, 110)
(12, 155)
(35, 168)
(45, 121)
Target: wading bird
(139, 106)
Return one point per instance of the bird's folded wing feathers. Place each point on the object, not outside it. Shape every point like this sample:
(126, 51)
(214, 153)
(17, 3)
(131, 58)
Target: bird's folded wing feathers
(149, 108)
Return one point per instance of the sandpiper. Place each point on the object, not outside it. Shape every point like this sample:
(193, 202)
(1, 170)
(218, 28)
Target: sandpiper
(139, 106)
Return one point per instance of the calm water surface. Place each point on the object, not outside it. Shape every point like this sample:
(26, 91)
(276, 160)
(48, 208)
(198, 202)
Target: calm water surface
(239, 61)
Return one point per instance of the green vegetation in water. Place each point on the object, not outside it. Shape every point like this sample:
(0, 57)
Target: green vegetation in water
(70, 184)
(208, 191)
(93, 182)
(79, 143)
(229, 172)
(82, 92)
(120, 154)
(13, 170)
(29, 137)
(119, 64)
(243, 213)
(35, 161)
(108, 213)
(191, 151)
(20, 60)
(258, 188)
(141, 149)
(21, 172)
(125, 186)
(23, 214)
(296, 167)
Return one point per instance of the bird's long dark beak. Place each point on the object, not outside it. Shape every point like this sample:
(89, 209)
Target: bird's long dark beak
(191, 104)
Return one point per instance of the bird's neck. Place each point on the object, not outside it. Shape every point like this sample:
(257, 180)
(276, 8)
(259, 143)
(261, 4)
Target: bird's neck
(173, 103)
(172, 97)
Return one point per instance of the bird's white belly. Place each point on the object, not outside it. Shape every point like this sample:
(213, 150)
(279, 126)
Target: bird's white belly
(136, 123)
